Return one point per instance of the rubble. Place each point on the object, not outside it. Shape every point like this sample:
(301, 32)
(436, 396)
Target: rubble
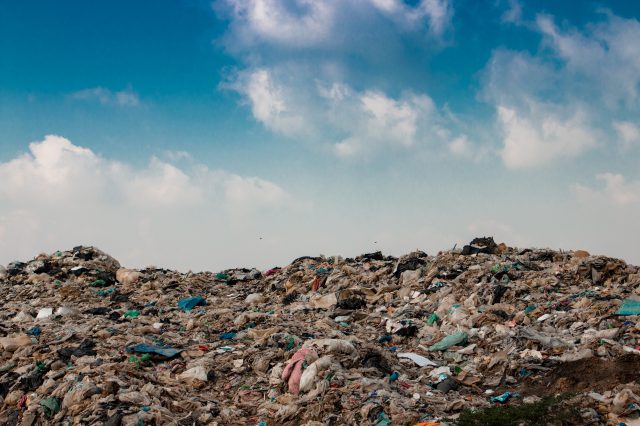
(373, 340)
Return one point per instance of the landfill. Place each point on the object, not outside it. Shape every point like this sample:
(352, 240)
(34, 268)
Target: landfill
(372, 340)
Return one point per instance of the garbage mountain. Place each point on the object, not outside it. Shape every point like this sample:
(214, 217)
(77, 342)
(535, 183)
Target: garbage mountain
(536, 336)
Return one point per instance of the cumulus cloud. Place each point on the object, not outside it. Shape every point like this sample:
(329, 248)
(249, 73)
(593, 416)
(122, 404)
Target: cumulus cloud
(350, 122)
(60, 194)
(273, 103)
(379, 120)
(300, 23)
(542, 136)
(326, 23)
(123, 98)
(300, 78)
(557, 104)
(615, 190)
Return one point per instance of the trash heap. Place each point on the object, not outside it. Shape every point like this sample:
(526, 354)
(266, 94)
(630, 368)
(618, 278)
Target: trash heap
(372, 340)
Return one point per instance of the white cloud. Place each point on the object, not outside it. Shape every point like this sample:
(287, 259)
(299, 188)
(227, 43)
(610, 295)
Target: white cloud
(272, 103)
(628, 133)
(59, 194)
(538, 121)
(349, 121)
(299, 22)
(558, 103)
(55, 169)
(323, 23)
(513, 15)
(462, 147)
(254, 191)
(395, 121)
(160, 184)
(542, 136)
(617, 190)
(123, 98)
(299, 80)
(605, 58)
(436, 13)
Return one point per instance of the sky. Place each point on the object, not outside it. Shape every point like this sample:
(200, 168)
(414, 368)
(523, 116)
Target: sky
(204, 135)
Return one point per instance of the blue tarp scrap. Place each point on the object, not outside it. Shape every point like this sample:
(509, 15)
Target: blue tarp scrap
(629, 307)
(504, 397)
(189, 303)
(165, 351)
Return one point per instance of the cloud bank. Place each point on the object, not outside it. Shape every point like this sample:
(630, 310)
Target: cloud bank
(60, 194)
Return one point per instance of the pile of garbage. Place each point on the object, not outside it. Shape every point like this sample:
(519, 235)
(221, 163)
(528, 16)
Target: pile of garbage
(372, 340)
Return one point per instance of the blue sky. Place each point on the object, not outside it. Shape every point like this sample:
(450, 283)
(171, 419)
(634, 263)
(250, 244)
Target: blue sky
(204, 135)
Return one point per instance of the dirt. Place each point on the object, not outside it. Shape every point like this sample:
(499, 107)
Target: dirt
(585, 375)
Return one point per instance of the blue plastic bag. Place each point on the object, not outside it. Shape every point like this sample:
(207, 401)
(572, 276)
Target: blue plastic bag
(165, 351)
(191, 302)
(629, 307)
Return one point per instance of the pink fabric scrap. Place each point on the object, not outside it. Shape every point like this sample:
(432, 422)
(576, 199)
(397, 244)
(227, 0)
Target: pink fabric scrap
(271, 271)
(293, 371)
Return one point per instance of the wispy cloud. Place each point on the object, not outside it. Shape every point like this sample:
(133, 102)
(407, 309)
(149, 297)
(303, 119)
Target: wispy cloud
(616, 190)
(513, 13)
(123, 98)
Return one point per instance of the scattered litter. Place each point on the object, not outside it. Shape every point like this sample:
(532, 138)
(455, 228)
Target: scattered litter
(418, 359)
(371, 340)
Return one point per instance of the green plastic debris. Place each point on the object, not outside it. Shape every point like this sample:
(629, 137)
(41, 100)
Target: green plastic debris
(496, 268)
(222, 276)
(51, 406)
(98, 283)
(291, 343)
(451, 340)
(383, 420)
(529, 308)
(132, 314)
(105, 292)
(629, 307)
(138, 361)
(433, 318)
